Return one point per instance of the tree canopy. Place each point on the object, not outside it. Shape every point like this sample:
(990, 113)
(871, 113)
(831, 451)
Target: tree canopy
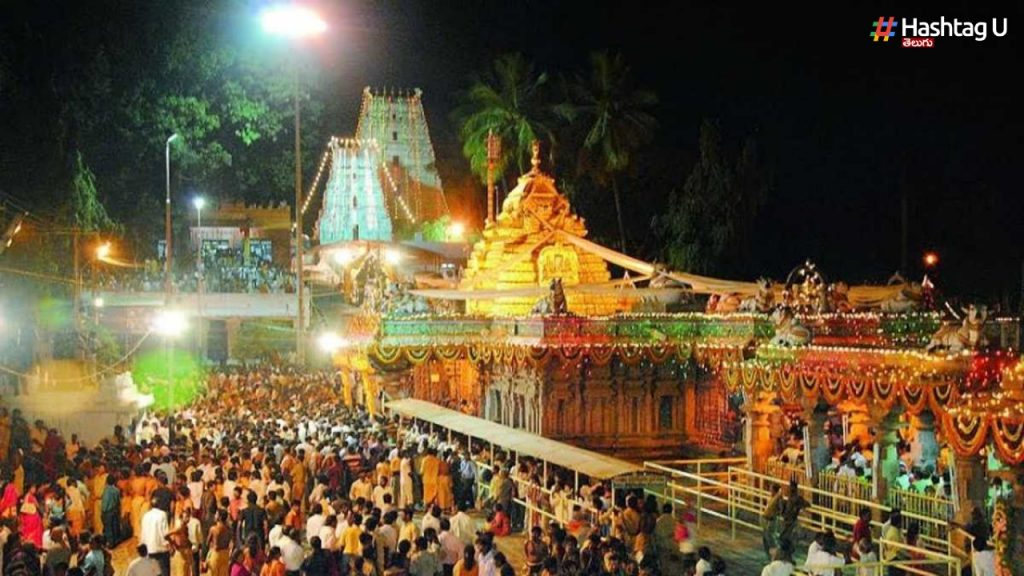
(707, 229)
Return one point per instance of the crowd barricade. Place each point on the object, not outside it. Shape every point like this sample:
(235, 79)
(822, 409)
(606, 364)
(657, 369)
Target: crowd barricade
(921, 504)
(741, 497)
(852, 487)
(786, 471)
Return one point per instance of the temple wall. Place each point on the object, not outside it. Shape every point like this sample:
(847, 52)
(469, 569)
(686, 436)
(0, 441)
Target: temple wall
(640, 411)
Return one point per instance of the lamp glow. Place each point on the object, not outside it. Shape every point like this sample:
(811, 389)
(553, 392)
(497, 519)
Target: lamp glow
(97, 302)
(392, 256)
(292, 21)
(456, 230)
(170, 323)
(344, 256)
(330, 342)
(930, 259)
(199, 202)
(103, 251)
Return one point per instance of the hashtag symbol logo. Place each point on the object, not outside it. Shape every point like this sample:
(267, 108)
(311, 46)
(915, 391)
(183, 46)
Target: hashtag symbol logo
(884, 28)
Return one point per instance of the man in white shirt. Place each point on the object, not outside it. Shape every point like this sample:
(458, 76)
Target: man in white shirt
(463, 526)
(274, 536)
(821, 561)
(291, 552)
(153, 534)
(703, 561)
(379, 491)
(386, 533)
(143, 565)
(431, 519)
(983, 560)
(451, 547)
(315, 522)
(782, 563)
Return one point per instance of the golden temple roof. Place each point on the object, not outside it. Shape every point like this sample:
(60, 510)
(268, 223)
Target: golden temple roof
(521, 249)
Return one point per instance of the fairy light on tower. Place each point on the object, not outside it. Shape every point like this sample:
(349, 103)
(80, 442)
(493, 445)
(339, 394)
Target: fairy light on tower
(295, 22)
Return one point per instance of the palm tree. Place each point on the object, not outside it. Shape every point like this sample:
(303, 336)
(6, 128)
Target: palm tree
(511, 101)
(615, 119)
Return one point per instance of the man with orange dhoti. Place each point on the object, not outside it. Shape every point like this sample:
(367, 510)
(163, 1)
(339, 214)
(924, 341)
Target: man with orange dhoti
(445, 494)
(138, 496)
(76, 507)
(124, 487)
(429, 471)
(298, 476)
(97, 484)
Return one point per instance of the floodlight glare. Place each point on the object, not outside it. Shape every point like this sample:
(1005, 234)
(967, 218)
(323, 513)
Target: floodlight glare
(292, 21)
(170, 323)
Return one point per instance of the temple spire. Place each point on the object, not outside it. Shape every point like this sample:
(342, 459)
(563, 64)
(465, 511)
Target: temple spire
(535, 160)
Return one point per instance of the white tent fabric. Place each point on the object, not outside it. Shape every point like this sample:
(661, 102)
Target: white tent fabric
(567, 456)
(860, 296)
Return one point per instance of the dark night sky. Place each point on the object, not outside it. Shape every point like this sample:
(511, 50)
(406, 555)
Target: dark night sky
(847, 124)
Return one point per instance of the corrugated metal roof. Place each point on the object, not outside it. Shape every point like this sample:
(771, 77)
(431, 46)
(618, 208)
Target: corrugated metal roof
(567, 456)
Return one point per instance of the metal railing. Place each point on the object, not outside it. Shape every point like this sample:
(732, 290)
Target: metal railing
(741, 497)
(786, 471)
(924, 505)
(850, 486)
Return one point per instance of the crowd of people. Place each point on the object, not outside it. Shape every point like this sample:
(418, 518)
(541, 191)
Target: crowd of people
(263, 278)
(270, 474)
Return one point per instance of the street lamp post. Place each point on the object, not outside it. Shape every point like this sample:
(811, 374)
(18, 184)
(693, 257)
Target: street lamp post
(170, 324)
(296, 22)
(199, 202)
(167, 222)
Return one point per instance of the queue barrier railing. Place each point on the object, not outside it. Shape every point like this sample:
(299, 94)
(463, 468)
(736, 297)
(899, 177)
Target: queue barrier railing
(746, 495)
(851, 486)
(924, 505)
(786, 471)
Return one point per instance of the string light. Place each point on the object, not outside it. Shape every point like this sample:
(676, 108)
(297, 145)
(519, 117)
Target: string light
(324, 160)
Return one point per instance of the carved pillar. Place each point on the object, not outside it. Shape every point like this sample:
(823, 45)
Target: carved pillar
(927, 446)
(888, 467)
(970, 484)
(817, 450)
(759, 438)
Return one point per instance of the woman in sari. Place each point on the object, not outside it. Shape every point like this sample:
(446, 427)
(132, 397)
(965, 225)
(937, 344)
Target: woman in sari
(9, 499)
(30, 519)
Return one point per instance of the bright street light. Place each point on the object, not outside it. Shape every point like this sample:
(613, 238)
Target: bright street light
(199, 202)
(330, 342)
(169, 323)
(392, 256)
(97, 302)
(103, 251)
(930, 259)
(456, 230)
(292, 21)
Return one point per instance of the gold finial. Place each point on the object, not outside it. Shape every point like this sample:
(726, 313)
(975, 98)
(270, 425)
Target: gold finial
(535, 160)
